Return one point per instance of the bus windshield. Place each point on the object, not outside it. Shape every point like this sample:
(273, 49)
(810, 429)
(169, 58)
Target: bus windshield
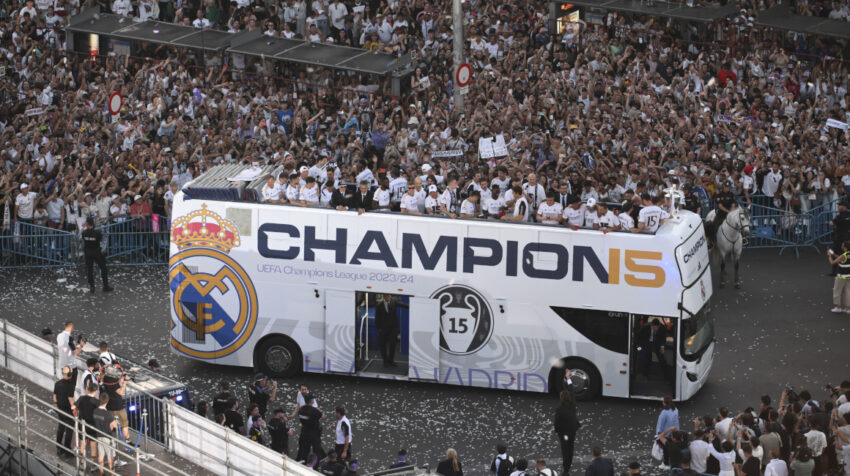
(697, 334)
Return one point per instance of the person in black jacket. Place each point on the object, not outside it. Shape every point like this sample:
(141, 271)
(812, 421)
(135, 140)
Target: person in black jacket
(386, 321)
(91, 239)
(841, 225)
(567, 425)
(651, 340)
(338, 200)
(599, 466)
(362, 199)
(451, 465)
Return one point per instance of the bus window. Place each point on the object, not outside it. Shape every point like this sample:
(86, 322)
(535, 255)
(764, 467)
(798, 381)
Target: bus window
(609, 330)
(697, 335)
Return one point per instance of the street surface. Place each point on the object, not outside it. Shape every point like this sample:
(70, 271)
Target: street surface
(775, 332)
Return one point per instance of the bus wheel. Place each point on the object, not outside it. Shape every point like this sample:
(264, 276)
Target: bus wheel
(587, 383)
(279, 357)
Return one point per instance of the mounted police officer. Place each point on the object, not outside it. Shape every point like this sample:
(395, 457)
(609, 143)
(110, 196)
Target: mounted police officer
(725, 203)
(91, 240)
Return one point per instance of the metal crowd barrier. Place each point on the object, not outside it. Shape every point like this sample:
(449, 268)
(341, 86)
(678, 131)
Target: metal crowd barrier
(136, 241)
(27, 245)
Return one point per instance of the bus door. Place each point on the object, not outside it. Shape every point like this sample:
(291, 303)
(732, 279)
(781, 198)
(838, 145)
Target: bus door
(340, 318)
(652, 357)
(424, 343)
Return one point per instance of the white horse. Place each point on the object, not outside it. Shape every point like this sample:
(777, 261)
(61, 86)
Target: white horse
(730, 239)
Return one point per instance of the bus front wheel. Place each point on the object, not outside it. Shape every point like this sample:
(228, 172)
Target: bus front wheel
(586, 381)
(279, 357)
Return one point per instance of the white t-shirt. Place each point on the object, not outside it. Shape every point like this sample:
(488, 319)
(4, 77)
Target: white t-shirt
(467, 208)
(699, 452)
(398, 188)
(626, 224)
(589, 216)
(301, 403)
(25, 203)
(494, 205)
(521, 208)
(309, 195)
(551, 213)
(771, 183)
(409, 202)
(574, 216)
(608, 220)
(432, 205)
(66, 354)
(420, 199)
(536, 194)
(292, 193)
(271, 193)
(382, 197)
(651, 217)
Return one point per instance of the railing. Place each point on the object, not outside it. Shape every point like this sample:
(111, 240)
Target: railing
(29, 245)
(181, 431)
(136, 241)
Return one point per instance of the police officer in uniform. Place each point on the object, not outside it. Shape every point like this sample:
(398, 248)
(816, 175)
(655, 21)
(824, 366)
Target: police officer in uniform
(92, 238)
(692, 203)
(841, 225)
(725, 202)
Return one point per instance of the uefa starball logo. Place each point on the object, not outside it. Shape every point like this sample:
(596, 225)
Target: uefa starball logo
(214, 310)
(466, 320)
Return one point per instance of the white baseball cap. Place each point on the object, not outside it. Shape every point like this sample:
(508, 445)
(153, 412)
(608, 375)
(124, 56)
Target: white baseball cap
(303, 168)
(591, 202)
(137, 198)
(432, 188)
(426, 168)
(24, 186)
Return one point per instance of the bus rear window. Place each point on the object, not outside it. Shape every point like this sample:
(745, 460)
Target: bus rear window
(609, 330)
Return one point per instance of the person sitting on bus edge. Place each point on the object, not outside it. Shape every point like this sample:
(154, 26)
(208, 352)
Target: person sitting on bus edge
(409, 202)
(550, 211)
(338, 200)
(271, 191)
(468, 209)
(573, 216)
(627, 223)
(605, 220)
(381, 196)
(308, 196)
(589, 213)
(651, 216)
(292, 190)
(521, 207)
(362, 200)
(495, 204)
(432, 201)
(449, 198)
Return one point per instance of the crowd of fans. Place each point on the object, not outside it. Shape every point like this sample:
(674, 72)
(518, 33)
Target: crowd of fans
(632, 104)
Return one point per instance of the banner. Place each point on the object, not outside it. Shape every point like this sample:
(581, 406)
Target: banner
(446, 153)
(36, 111)
(487, 149)
(837, 124)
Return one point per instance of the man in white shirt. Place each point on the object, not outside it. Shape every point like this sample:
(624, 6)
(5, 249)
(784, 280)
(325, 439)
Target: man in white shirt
(699, 451)
(772, 181)
(122, 7)
(449, 200)
(25, 203)
(68, 350)
(409, 203)
(309, 195)
(627, 223)
(494, 205)
(605, 220)
(468, 209)
(293, 190)
(651, 216)
(534, 193)
(398, 188)
(724, 420)
(589, 213)
(776, 467)
(271, 191)
(522, 209)
(432, 201)
(573, 216)
(550, 211)
(201, 21)
(337, 13)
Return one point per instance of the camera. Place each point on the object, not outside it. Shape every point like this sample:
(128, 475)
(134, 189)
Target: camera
(833, 392)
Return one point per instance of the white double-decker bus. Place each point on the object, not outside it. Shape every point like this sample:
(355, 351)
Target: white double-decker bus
(479, 303)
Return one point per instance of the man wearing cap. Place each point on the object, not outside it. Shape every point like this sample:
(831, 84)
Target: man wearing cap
(310, 439)
(261, 392)
(220, 400)
(338, 200)
(432, 201)
(91, 240)
(332, 466)
(589, 213)
(25, 203)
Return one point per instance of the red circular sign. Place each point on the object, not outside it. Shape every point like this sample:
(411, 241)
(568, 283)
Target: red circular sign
(463, 74)
(115, 101)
